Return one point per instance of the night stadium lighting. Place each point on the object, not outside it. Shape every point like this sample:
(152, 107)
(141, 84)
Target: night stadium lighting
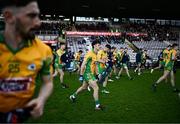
(61, 16)
(47, 15)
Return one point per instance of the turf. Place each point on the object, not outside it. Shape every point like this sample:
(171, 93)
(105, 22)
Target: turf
(128, 101)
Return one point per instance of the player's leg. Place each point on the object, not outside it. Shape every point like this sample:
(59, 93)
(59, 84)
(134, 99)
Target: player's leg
(61, 72)
(93, 84)
(163, 77)
(56, 67)
(127, 72)
(81, 88)
(110, 76)
(139, 68)
(119, 74)
(78, 68)
(173, 81)
(115, 69)
(104, 86)
(158, 67)
(136, 67)
(55, 73)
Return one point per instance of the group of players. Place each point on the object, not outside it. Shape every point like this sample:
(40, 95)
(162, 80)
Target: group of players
(23, 57)
(101, 61)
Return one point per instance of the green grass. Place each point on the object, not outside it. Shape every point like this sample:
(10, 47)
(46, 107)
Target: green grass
(129, 101)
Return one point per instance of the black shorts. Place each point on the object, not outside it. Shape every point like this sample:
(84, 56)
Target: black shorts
(15, 116)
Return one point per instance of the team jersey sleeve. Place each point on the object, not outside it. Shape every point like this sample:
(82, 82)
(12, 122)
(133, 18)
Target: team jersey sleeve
(58, 52)
(47, 63)
(76, 56)
(99, 55)
(174, 54)
(87, 57)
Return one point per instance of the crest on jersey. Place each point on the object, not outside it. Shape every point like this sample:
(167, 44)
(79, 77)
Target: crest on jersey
(32, 67)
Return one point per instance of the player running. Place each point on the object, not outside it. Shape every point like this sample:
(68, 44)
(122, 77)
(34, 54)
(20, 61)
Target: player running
(88, 74)
(59, 65)
(162, 58)
(102, 58)
(124, 60)
(171, 58)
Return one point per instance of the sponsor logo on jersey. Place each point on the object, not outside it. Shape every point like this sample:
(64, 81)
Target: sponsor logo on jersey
(32, 67)
(14, 84)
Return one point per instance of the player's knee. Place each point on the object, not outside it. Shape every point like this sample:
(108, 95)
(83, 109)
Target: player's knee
(84, 87)
(96, 88)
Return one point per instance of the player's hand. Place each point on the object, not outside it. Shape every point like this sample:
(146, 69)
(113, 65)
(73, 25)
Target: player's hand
(38, 107)
(81, 78)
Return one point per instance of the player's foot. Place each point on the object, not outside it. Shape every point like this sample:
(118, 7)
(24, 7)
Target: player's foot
(154, 87)
(105, 91)
(152, 71)
(64, 86)
(176, 90)
(117, 77)
(130, 78)
(179, 94)
(139, 73)
(99, 107)
(135, 71)
(72, 98)
(110, 80)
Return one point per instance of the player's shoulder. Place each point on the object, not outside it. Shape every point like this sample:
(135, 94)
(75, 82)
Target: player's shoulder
(89, 52)
(41, 46)
(174, 51)
(58, 50)
(100, 52)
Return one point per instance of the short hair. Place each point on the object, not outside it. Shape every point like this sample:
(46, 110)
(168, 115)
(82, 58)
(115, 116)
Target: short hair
(113, 47)
(95, 42)
(15, 3)
(108, 46)
(174, 45)
(169, 46)
(80, 51)
(62, 44)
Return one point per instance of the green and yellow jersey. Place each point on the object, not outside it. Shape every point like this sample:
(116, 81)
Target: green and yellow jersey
(60, 52)
(171, 57)
(18, 70)
(144, 57)
(101, 56)
(90, 68)
(115, 55)
(120, 55)
(165, 55)
(58, 62)
(77, 56)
